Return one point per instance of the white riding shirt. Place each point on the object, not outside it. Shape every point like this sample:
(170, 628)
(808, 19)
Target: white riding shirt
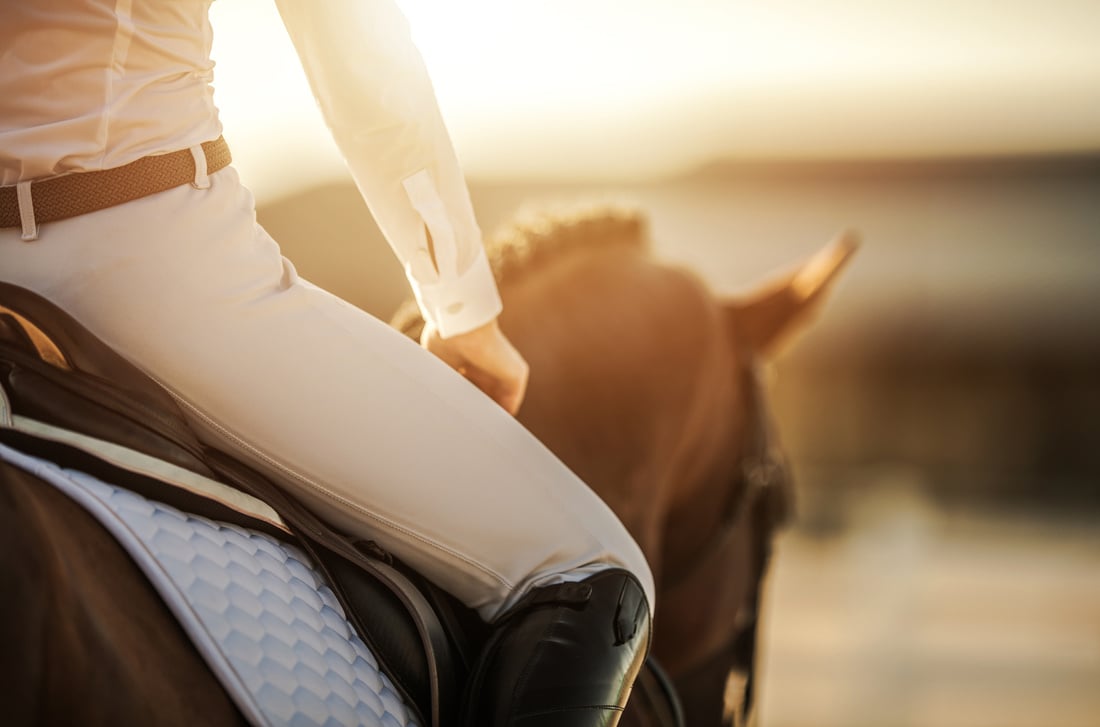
(96, 84)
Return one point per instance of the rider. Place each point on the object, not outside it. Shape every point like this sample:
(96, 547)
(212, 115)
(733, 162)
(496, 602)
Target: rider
(118, 203)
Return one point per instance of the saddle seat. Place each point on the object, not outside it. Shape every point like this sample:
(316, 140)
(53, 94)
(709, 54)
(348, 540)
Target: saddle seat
(56, 376)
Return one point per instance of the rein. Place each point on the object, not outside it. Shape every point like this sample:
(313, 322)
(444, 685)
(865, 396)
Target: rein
(762, 480)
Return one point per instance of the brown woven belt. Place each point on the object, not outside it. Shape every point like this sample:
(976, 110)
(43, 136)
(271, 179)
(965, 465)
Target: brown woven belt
(58, 198)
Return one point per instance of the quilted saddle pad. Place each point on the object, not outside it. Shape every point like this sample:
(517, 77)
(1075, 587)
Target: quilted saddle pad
(263, 618)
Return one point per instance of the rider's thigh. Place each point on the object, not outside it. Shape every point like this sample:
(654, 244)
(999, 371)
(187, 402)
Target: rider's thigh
(377, 435)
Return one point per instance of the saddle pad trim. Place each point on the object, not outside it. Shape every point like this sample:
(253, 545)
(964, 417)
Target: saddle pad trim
(5, 408)
(142, 464)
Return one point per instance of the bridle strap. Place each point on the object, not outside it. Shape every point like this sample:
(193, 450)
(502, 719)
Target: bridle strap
(762, 477)
(759, 500)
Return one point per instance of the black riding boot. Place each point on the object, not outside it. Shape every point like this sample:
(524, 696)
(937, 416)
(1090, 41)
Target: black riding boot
(564, 656)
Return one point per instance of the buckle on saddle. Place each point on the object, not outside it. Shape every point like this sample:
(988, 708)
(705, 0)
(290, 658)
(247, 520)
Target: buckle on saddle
(25, 333)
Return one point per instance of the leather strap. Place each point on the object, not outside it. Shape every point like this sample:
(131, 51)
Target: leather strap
(69, 195)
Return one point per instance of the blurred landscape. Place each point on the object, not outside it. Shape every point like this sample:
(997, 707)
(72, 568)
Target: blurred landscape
(943, 412)
(962, 346)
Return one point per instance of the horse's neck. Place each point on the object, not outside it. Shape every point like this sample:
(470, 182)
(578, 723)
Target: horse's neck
(628, 364)
(706, 480)
(747, 490)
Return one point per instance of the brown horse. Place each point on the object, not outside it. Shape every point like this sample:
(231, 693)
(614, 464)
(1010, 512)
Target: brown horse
(657, 409)
(643, 382)
(87, 638)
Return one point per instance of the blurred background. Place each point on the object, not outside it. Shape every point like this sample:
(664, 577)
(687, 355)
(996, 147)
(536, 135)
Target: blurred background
(942, 415)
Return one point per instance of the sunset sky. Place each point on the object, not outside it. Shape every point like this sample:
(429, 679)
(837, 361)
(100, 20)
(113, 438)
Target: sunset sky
(604, 89)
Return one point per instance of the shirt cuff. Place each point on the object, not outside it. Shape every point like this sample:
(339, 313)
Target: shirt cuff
(461, 304)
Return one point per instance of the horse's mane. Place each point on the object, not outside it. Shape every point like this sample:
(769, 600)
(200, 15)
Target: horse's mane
(534, 239)
(537, 238)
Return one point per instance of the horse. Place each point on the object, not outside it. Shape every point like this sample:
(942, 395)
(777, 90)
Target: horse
(646, 385)
(88, 640)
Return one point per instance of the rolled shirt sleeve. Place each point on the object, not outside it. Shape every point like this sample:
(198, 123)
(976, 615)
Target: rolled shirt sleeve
(377, 99)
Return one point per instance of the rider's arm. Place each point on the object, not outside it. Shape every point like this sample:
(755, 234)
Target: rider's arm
(378, 101)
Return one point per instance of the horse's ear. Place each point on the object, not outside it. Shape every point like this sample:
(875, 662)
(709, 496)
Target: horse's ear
(765, 317)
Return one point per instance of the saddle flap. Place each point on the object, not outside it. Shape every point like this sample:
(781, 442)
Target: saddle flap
(15, 328)
(60, 340)
(57, 371)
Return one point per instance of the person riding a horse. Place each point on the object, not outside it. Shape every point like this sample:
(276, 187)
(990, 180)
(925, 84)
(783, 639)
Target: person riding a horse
(120, 205)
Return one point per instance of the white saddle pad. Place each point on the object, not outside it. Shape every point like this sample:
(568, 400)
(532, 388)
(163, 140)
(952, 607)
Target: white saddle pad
(265, 621)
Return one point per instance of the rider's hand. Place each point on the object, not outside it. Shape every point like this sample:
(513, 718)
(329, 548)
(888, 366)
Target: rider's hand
(485, 357)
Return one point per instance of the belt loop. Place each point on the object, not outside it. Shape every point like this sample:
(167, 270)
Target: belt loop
(202, 179)
(26, 211)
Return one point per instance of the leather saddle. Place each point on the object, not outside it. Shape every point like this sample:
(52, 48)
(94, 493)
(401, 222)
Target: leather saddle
(54, 371)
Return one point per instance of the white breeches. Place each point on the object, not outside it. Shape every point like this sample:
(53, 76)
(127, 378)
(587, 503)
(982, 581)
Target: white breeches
(378, 436)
